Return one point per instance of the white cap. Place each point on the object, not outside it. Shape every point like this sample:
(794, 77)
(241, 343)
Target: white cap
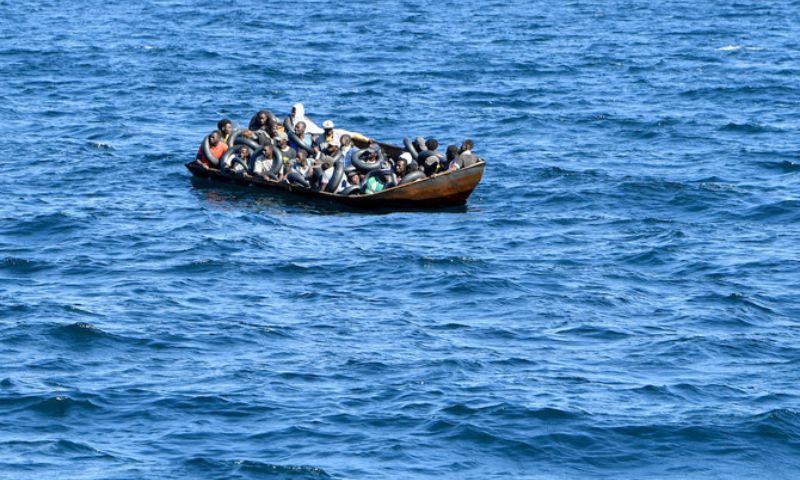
(327, 124)
(407, 157)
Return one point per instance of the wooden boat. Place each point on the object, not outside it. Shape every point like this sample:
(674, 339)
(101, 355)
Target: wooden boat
(446, 189)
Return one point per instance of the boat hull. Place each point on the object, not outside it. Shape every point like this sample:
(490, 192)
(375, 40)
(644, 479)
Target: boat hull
(448, 189)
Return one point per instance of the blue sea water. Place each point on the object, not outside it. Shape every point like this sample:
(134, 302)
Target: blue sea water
(617, 300)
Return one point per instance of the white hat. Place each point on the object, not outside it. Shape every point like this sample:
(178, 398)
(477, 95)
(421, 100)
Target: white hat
(327, 124)
(407, 157)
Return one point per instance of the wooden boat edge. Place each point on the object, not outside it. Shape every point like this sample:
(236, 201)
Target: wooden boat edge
(451, 188)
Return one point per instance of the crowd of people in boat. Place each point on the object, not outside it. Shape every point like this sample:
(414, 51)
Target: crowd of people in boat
(325, 158)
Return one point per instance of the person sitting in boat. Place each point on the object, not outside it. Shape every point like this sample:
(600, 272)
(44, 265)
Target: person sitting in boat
(274, 127)
(226, 127)
(301, 164)
(374, 184)
(287, 153)
(299, 115)
(258, 125)
(465, 155)
(262, 166)
(325, 174)
(300, 131)
(259, 121)
(462, 157)
(237, 164)
(429, 159)
(354, 178)
(347, 149)
(401, 165)
(215, 145)
(324, 153)
(329, 135)
(419, 143)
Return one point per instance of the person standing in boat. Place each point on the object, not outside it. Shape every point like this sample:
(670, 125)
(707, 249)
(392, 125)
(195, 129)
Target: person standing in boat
(215, 145)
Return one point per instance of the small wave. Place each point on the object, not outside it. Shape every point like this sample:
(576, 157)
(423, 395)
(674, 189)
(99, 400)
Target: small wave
(234, 467)
(784, 211)
(786, 166)
(782, 424)
(80, 331)
(509, 412)
(47, 224)
(23, 265)
(735, 299)
(747, 128)
(594, 332)
(61, 405)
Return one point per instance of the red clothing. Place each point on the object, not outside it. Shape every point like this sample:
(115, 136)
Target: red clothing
(217, 151)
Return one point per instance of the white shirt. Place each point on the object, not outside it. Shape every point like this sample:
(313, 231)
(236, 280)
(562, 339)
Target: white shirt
(262, 166)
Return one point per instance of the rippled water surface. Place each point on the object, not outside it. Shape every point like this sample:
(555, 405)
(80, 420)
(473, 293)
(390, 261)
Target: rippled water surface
(617, 300)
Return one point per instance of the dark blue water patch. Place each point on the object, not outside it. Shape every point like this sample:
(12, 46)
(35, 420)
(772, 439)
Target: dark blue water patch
(781, 212)
(616, 300)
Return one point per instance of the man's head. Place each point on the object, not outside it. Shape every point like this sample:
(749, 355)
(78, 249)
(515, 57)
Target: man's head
(432, 144)
(467, 145)
(266, 150)
(262, 116)
(345, 140)
(400, 166)
(452, 152)
(282, 139)
(225, 126)
(300, 129)
(214, 138)
(327, 125)
(302, 154)
(244, 152)
(354, 178)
